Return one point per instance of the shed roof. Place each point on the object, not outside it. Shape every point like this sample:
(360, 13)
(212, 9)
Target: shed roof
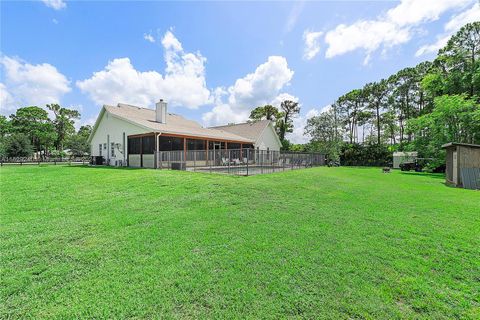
(175, 124)
(454, 144)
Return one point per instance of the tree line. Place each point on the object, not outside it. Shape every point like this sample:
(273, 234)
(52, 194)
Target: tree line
(282, 118)
(30, 131)
(417, 109)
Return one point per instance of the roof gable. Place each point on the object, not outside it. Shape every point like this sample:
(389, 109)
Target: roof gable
(252, 130)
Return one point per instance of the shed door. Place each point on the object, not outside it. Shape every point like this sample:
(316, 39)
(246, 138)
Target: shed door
(454, 168)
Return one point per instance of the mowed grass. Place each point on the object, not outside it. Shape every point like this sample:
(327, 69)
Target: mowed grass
(81, 242)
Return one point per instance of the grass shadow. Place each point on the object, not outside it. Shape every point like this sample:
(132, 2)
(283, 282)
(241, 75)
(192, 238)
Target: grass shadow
(425, 174)
(104, 167)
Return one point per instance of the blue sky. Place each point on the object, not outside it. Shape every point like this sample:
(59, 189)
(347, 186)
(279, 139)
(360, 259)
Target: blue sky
(213, 61)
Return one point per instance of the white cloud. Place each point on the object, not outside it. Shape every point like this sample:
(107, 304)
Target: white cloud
(263, 85)
(294, 15)
(282, 97)
(148, 37)
(312, 44)
(6, 100)
(412, 12)
(299, 123)
(367, 35)
(461, 19)
(182, 85)
(27, 84)
(88, 121)
(169, 42)
(55, 4)
(452, 26)
(255, 89)
(393, 28)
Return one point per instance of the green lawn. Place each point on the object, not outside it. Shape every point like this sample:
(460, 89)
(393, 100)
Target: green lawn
(80, 242)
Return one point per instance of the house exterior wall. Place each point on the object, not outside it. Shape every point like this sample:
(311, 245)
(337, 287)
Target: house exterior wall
(268, 140)
(113, 130)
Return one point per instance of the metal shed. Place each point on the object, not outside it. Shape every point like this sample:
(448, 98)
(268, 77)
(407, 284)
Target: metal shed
(462, 164)
(401, 157)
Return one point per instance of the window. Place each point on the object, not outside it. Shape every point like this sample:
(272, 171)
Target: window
(218, 145)
(234, 146)
(104, 146)
(100, 149)
(134, 145)
(112, 149)
(170, 143)
(148, 144)
(195, 144)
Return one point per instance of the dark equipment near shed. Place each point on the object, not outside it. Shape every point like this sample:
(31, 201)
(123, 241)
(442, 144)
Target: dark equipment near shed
(97, 160)
(407, 166)
(178, 166)
(418, 164)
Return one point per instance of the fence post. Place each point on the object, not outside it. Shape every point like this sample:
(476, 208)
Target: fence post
(272, 159)
(262, 160)
(228, 160)
(194, 160)
(248, 158)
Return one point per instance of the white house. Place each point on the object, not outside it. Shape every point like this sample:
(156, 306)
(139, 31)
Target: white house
(131, 135)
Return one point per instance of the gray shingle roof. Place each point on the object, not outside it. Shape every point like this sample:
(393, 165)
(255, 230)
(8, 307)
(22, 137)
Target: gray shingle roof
(250, 130)
(175, 124)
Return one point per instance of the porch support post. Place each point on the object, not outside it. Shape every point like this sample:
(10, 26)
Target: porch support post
(207, 142)
(156, 150)
(185, 150)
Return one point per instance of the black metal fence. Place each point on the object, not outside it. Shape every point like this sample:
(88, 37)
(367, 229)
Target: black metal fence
(44, 160)
(237, 161)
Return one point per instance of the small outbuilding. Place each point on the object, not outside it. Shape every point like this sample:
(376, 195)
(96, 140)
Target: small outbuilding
(402, 157)
(462, 165)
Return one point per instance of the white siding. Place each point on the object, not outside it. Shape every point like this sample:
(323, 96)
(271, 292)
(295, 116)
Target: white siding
(110, 129)
(268, 140)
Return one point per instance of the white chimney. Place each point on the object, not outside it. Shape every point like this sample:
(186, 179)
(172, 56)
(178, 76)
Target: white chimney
(161, 111)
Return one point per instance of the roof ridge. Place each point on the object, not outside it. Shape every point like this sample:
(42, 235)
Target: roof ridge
(145, 108)
(241, 123)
